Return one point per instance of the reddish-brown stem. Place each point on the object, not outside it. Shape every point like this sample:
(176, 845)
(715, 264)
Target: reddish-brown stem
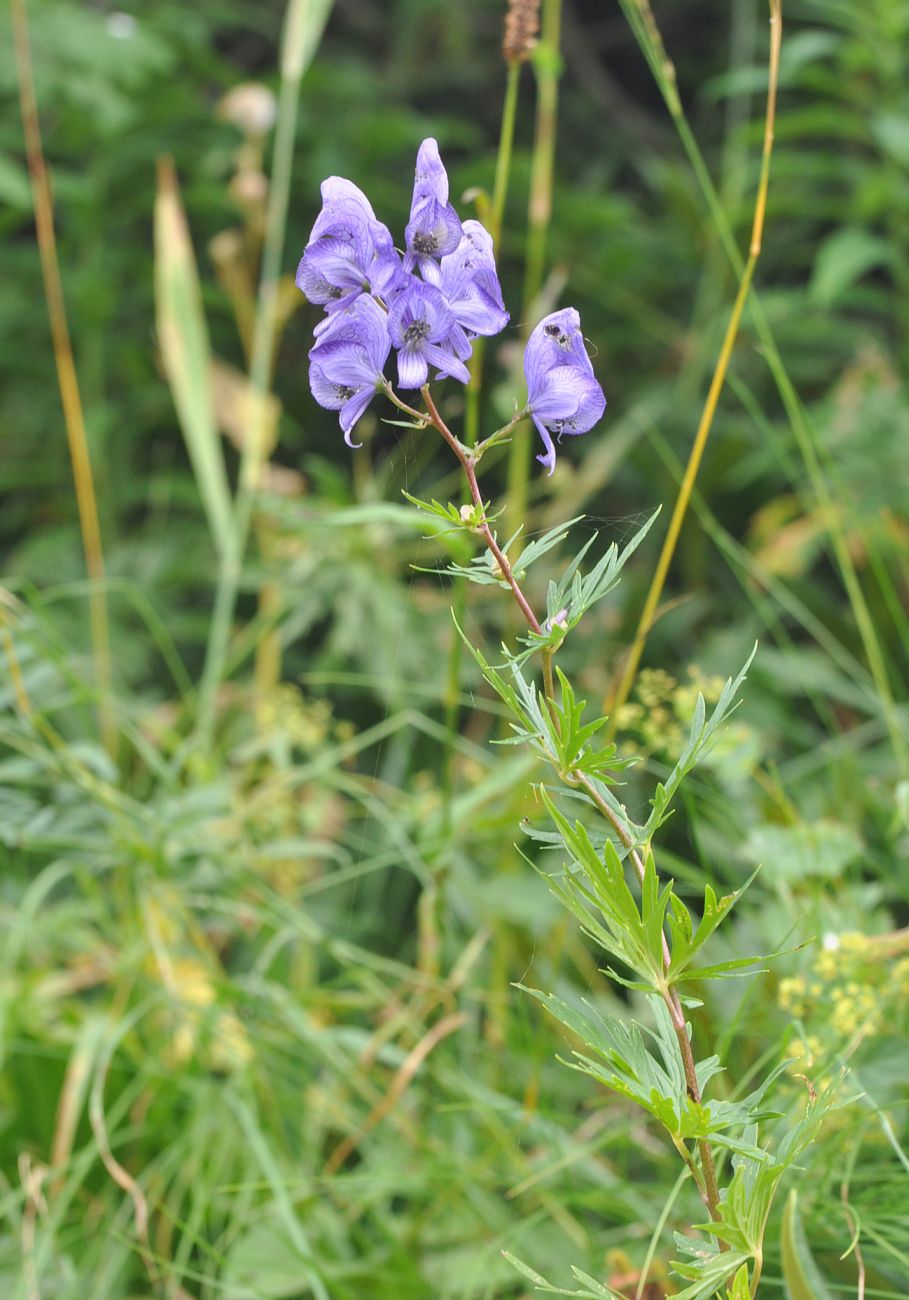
(669, 994)
(488, 536)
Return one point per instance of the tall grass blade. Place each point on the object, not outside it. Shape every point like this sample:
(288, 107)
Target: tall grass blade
(186, 354)
(67, 377)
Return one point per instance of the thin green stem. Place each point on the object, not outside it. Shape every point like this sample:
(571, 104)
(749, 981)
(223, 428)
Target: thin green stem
(503, 158)
(664, 75)
(301, 32)
(547, 66)
(486, 532)
(67, 377)
(708, 414)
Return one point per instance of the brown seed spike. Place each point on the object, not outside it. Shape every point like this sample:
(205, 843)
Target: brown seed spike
(522, 23)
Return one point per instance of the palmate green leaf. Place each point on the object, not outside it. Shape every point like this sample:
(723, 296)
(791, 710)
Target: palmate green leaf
(521, 699)
(686, 941)
(569, 599)
(598, 882)
(480, 570)
(572, 737)
(644, 1066)
(186, 354)
(483, 569)
(628, 1066)
(539, 546)
(707, 1268)
(748, 1197)
(455, 516)
(703, 732)
(594, 1290)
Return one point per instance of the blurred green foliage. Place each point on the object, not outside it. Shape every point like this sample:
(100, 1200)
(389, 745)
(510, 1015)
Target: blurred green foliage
(272, 983)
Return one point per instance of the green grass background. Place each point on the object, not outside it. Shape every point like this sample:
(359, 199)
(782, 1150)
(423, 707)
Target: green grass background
(259, 1032)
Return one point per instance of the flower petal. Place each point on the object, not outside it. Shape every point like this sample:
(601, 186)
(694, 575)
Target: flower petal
(351, 411)
(549, 457)
(413, 371)
(556, 341)
(434, 229)
(558, 394)
(446, 362)
(591, 405)
(325, 392)
(430, 177)
(335, 190)
(363, 323)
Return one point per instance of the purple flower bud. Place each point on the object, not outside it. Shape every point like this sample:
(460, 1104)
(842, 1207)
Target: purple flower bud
(563, 396)
(434, 228)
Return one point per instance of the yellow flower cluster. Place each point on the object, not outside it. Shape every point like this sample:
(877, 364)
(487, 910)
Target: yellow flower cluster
(659, 714)
(847, 991)
(187, 967)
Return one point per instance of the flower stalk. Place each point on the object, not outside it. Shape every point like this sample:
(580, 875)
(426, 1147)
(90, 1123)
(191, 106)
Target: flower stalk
(707, 1182)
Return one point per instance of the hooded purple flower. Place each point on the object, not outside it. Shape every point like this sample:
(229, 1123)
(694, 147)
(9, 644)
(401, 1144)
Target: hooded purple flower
(349, 251)
(563, 397)
(470, 286)
(420, 324)
(434, 228)
(345, 366)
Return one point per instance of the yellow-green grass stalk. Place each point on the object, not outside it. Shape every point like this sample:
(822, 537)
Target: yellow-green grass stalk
(67, 377)
(547, 68)
(515, 56)
(303, 26)
(655, 591)
(643, 24)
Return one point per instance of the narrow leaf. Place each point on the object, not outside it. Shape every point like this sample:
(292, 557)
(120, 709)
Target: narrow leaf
(186, 354)
(801, 1275)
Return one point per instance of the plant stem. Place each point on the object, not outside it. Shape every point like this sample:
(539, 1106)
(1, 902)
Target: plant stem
(658, 580)
(503, 158)
(301, 32)
(488, 536)
(67, 377)
(472, 397)
(668, 992)
(669, 995)
(546, 63)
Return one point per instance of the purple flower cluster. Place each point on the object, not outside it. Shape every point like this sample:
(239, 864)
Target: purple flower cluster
(427, 304)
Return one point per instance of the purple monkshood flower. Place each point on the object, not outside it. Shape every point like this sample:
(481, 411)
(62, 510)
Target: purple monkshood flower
(563, 397)
(349, 251)
(471, 288)
(434, 228)
(420, 324)
(345, 366)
